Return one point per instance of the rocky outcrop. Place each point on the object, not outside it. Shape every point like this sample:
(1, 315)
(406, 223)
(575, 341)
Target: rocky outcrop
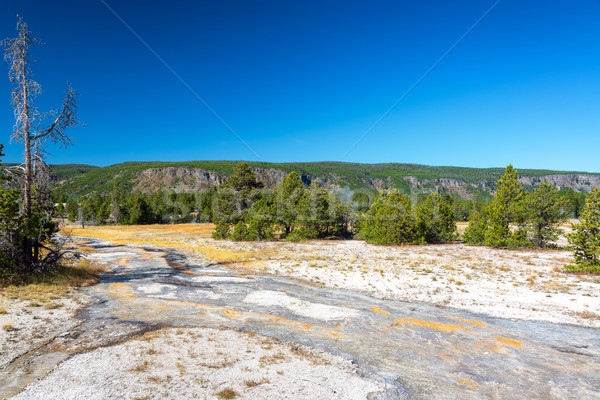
(578, 182)
(195, 179)
(178, 179)
(269, 176)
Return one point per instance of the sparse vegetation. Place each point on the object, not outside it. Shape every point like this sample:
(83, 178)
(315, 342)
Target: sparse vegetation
(227, 394)
(142, 367)
(8, 327)
(68, 274)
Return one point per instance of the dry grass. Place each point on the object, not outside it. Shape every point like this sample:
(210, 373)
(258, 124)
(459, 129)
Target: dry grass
(122, 234)
(141, 367)
(53, 284)
(588, 315)
(256, 383)
(8, 327)
(227, 394)
(178, 236)
(272, 359)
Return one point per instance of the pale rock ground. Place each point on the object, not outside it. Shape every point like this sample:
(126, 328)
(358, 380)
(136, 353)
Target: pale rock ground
(186, 363)
(199, 362)
(517, 284)
(28, 323)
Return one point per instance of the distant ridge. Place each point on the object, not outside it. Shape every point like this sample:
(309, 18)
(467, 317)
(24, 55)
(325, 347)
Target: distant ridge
(80, 179)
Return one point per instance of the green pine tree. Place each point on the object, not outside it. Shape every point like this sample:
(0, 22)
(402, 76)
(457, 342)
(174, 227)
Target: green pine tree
(260, 221)
(586, 238)
(72, 210)
(140, 211)
(475, 232)
(240, 232)
(288, 194)
(389, 220)
(237, 194)
(314, 216)
(222, 230)
(545, 209)
(503, 209)
(435, 220)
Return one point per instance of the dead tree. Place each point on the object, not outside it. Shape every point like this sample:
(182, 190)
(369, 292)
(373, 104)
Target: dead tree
(33, 128)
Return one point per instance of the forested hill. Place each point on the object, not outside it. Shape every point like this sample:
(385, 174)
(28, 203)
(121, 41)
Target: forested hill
(77, 180)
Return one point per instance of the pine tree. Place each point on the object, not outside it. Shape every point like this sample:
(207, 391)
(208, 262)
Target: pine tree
(237, 194)
(288, 194)
(389, 220)
(314, 215)
(240, 232)
(11, 224)
(72, 210)
(140, 211)
(222, 230)
(503, 209)
(545, 210)
(260, 221)
(586, 238)
(475, 232)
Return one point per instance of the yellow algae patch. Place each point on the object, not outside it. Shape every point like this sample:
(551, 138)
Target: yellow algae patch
(305, 326)
(290, 321)
(189, 272)
(471, 384)
(122, 296)
(476, 323)
(116, 285)
(228, 313)
(509, 342)
(187, 303)
(337, 327)
(379, 310)
(241, 275)
(334, 334)
(428, 324)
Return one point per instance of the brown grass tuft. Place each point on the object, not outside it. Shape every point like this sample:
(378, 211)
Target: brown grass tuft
(227, 394)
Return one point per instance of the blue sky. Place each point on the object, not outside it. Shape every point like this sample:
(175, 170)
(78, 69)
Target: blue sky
(304, 80)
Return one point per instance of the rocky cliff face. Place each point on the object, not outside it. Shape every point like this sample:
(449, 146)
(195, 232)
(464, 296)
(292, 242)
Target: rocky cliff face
(178, 179)
(195, 179)
(578, 182)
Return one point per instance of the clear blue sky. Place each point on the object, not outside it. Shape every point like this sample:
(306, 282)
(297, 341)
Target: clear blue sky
(304, 80)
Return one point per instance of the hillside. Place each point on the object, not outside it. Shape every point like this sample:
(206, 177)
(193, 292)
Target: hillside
(75, 179)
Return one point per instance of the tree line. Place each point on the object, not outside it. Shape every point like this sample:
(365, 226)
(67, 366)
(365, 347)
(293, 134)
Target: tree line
(244, 209)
